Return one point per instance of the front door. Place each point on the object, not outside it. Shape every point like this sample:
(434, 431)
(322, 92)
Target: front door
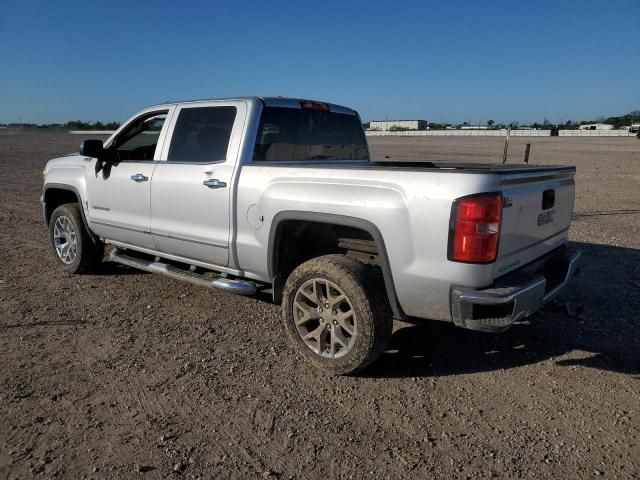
(119, 186)
(190, 192)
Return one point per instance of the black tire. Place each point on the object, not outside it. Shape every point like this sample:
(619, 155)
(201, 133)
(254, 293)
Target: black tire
(364, 288)
(88, 254)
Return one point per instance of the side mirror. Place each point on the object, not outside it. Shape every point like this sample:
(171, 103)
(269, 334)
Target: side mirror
(91, 148)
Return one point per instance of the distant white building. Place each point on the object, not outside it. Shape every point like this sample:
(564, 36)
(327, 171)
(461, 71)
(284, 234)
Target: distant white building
(385, 125)
(596, 126)
(635, 127)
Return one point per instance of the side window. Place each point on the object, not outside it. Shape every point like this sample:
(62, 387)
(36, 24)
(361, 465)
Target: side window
(139, 140)
(202, 134)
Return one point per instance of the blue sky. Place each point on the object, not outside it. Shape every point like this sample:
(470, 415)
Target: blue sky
(456, 61)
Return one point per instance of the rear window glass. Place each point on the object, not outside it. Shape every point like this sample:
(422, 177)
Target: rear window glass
(300, 134)
(201, 134)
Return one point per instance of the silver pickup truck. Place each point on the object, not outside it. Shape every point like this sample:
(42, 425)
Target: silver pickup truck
(280, 194)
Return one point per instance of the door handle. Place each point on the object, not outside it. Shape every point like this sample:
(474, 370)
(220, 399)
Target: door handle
(214, 183)
(138, 177)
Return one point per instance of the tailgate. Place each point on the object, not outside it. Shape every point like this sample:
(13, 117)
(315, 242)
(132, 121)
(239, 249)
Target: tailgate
(536, 216)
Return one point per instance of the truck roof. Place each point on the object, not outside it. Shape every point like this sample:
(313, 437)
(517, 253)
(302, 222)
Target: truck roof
(287, 102)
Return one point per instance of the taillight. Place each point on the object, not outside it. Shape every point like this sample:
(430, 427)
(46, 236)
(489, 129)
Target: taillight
(475, 228)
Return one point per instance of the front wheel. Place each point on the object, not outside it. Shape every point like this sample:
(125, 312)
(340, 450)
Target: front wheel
(71, 244)
(336, 313)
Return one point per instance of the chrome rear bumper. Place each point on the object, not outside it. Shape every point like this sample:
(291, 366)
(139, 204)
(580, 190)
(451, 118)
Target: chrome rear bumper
(514, 296)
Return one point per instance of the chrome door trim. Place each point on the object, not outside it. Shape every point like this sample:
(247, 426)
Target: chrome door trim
(112, 225)
(173, 237)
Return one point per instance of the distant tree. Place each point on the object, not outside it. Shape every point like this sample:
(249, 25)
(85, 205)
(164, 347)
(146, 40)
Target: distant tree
(546, 125)
(490, 123)
(366, 125)
(77, 125)
(622, 120)
(80, 125)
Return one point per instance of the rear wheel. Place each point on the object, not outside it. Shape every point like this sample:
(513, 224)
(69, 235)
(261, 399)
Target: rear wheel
(336, 313)
(72, 246)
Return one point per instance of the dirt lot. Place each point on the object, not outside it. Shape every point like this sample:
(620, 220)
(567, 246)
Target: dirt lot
(132, 375)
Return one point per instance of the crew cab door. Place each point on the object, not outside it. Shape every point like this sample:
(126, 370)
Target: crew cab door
(119, 185)
(191, 191)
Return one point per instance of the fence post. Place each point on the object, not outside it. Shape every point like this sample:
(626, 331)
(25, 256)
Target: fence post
(506, 146)
(526, 153)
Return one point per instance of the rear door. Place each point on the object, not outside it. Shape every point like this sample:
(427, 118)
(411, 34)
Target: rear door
(119, 189)
(191, 189)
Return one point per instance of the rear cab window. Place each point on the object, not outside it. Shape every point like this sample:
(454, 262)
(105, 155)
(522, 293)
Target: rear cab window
(309, 134)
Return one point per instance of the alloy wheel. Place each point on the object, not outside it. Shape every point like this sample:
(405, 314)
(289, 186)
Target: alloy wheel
(325, 318)
(65, 240)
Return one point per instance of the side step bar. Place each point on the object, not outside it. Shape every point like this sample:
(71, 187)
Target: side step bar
(239, 287)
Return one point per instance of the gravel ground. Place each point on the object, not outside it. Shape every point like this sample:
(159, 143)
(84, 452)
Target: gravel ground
(132, 375)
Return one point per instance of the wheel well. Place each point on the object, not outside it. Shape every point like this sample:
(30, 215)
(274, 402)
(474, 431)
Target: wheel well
(54, 197)
(296, 241)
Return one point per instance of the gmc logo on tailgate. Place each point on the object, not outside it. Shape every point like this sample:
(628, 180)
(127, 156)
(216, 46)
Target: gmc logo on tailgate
(546, 217)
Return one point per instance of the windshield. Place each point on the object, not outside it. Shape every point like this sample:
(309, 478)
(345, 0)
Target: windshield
(287, 134)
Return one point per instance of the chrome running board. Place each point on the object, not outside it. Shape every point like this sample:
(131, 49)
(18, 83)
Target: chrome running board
(239, 287)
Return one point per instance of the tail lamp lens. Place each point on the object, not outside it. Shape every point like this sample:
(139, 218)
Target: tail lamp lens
(476, 228)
